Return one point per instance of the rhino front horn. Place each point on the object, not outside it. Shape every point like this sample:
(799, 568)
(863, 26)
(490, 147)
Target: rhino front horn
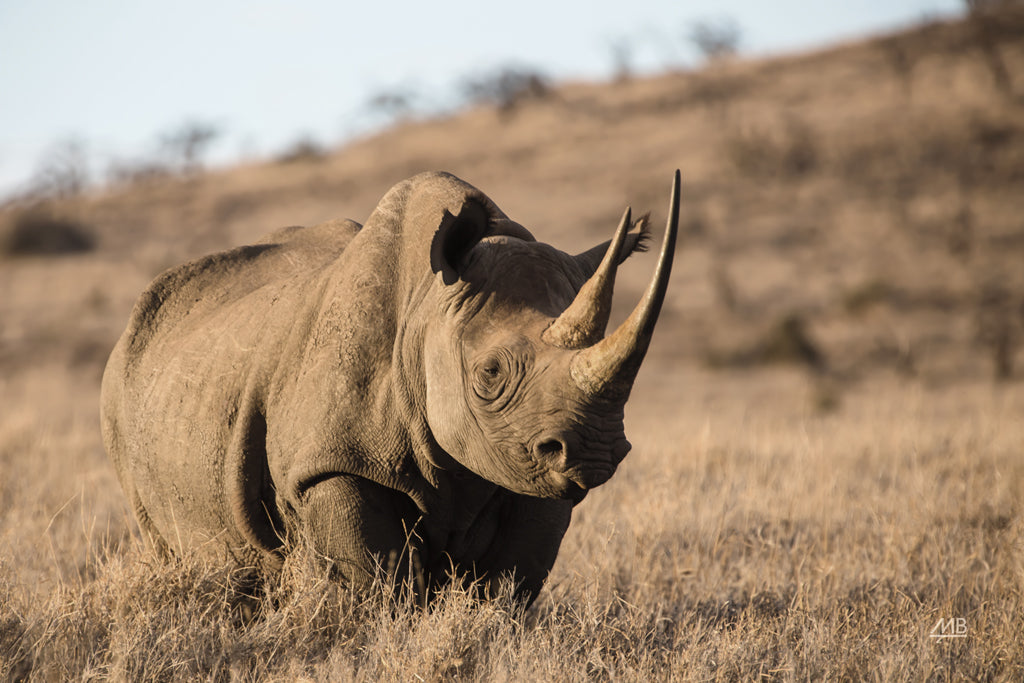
(608, 368)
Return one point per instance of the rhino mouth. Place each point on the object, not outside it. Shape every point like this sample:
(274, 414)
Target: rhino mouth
(574, 492)
(565, 485)
(573, 483)
(589, 475)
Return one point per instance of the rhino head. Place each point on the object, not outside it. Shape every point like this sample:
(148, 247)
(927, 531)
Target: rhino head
(523, 388)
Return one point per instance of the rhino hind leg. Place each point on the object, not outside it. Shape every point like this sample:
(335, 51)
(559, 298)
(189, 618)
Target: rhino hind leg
(112, 425)
(360, 527)
(150, 535)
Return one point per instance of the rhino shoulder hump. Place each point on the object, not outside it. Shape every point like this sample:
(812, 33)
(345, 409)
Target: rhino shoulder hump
(332, 235)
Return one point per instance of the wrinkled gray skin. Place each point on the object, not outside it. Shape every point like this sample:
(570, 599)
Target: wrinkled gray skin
(386, 390)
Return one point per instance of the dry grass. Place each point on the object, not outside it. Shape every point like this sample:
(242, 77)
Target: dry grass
(755, 540)
(774, 521)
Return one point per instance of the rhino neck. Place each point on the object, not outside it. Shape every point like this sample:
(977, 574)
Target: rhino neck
(363, 355)
(336, 402)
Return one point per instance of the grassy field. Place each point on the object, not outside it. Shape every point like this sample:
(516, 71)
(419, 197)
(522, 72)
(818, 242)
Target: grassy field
(828, 433)
(740, 539)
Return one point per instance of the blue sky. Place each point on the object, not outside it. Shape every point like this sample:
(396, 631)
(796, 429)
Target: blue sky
(115, 74)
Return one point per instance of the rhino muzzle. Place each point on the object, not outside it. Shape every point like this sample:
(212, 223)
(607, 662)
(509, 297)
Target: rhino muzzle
(606, 367)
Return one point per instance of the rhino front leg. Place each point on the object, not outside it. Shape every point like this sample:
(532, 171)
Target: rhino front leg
(359, 525)
(526, 545)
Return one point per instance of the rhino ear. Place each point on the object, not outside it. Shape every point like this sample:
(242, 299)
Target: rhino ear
(636, 241)
(455, 237)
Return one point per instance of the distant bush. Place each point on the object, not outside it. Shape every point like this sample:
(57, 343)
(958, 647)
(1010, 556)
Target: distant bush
(866, 295)
(717, 89)
(901, 58)
(786, 341)
(36, 231)
(758, 153)
(303, 150)
(999, 321)
(394, 103)
(993, 22)
(507, 87)
(133, 172)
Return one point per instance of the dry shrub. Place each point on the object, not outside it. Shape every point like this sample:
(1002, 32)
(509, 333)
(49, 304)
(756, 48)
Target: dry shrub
(982, 151)
(507, 87)
(787, 340)
(999, 320)
(992, 24)
(129, 172)
(36, 231)
(901, 58)
(303, 150)
(786, 154)
(714, 89)
(866, 295)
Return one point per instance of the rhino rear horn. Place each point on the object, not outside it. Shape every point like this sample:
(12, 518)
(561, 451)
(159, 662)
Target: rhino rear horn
(607, 368)
(583, 322)
(456, 235)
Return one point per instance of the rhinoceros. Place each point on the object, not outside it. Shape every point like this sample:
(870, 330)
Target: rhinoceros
(435, 384)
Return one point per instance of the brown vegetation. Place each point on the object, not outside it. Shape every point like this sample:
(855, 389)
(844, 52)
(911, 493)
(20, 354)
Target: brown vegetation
(873, 199)
(36, 231)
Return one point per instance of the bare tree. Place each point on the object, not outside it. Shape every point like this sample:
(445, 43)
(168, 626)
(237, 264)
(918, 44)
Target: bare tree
(63, 170)
(622, 49)
(188, 143)
(715, 38)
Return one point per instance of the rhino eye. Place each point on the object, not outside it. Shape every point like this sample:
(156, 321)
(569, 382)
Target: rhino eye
(490, 378)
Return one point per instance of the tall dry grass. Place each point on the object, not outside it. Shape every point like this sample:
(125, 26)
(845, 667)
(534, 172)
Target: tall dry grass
(751, 538)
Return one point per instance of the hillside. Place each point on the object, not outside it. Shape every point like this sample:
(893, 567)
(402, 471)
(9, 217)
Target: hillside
(870, 192)
(842, 327)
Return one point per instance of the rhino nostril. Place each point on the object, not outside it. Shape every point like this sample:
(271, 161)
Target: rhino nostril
(549, 449)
